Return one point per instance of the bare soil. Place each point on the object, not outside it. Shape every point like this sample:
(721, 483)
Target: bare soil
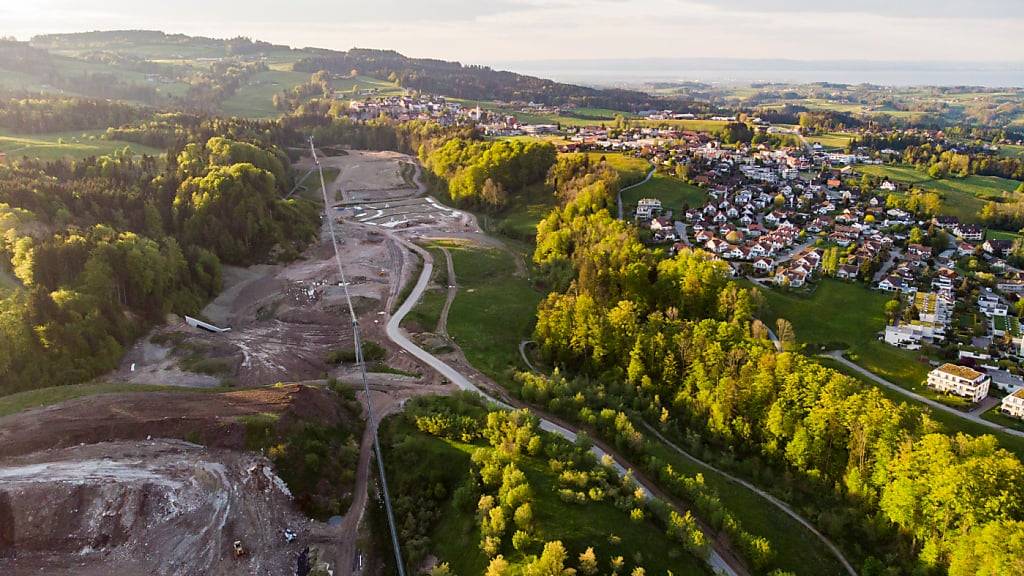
(108, 484)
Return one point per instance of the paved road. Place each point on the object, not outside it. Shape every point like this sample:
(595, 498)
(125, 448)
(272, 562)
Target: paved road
(681, 232)
(894, 255)
(644, 181)
(837, 355)
(399, 337)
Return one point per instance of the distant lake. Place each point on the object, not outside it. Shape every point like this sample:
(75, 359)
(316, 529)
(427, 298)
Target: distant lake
(589, 73)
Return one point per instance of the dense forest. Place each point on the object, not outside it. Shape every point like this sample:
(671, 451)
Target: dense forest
(483, 173)
(678, 344)
(105, 247)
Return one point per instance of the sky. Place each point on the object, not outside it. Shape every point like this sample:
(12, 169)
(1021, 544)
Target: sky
(482, 31)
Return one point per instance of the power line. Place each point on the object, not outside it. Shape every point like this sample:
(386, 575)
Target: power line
(362, 366)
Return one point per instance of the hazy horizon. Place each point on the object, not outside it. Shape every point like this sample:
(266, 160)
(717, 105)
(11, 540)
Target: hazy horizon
(532, 30)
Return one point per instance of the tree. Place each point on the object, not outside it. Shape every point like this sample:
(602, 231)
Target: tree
(892, 310)
(550, 563)
(493, 194)
(588, 562)
(498, 566)
(441, 569)
(786, 335)
(989, 550)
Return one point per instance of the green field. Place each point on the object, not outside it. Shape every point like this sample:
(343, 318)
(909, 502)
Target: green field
(54, 145)
(903, 173)
(961, 197)
(631, 168)
(425, 315)
(833, 140)
(28, 399)
(1011, 151)
(674, 194)
(996, 416)
(991, 234)
(848, 316)
(254, 99)
(456, 534)
(491, 295)
(309, 187)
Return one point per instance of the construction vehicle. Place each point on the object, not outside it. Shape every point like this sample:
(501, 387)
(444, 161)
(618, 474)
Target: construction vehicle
(239, 550)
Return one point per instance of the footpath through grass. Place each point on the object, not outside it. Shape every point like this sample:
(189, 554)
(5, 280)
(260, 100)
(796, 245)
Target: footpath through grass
(494, 310)
(796, 549)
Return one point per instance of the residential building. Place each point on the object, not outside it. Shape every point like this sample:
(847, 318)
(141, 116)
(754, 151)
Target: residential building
(1013, 405)
(960, 381)
(648, 208)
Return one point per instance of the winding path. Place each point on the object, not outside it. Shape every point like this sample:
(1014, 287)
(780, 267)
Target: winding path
(837, 355)
(395, 333)
(771, 499)
(650, 174)
(453, 289)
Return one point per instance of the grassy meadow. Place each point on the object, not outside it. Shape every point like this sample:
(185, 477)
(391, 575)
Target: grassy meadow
(674, 193)
(855, 317)
(55, 145)
(490, 295)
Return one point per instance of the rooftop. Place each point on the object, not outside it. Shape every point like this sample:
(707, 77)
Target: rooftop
(960, 371)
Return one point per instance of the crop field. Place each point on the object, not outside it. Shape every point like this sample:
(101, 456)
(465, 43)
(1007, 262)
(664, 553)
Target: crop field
(52, 146)
(674, 194)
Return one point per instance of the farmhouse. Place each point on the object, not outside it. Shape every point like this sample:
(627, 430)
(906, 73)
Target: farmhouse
(960, 381)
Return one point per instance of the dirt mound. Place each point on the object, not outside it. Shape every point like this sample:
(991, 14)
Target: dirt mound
(156, 507)
(212, 419)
